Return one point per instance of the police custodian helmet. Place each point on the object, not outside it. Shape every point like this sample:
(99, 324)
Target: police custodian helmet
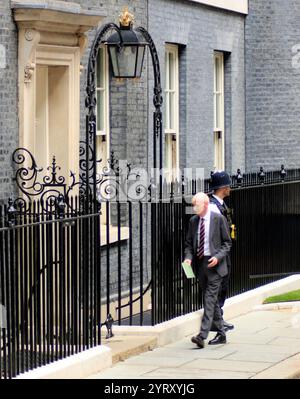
(219, 179)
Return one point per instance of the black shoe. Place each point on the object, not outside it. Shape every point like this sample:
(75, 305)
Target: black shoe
(228, 326)
(198, 341)
(218, 340)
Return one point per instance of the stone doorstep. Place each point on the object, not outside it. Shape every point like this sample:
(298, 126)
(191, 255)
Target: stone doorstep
(123, 347)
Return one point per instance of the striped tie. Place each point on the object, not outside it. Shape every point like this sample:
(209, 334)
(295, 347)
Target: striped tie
(200, 252)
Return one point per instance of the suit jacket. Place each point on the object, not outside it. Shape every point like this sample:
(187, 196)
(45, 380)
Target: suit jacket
(219, 242)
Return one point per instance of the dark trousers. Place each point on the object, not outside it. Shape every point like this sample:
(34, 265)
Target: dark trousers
(224, 289)
(210, 282)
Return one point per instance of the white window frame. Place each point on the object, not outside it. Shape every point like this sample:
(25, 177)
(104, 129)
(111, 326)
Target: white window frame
(113, 230)
(170, 134)
(219, 131)
(105, 68)
(103, 136)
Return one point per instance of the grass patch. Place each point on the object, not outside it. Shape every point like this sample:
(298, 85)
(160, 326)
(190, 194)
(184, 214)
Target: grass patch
(288, 297)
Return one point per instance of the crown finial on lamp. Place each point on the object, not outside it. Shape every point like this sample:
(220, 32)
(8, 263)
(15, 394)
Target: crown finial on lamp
(126, 18)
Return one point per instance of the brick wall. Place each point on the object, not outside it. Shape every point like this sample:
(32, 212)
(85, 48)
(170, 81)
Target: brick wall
(8, 99)
(202, 30)
(272, 84)
(128, 100)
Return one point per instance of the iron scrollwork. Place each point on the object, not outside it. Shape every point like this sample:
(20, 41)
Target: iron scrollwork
(53, 192)
(48, 190)
(91, 182)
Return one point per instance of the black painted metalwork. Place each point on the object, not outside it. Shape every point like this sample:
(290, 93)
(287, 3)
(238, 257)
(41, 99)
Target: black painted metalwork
(261, 175)
(267, 221)
(91, 103)
(66, 268)
(49, 189)
(69, 264)
(239, 178)
(282, 173)
(108, 324)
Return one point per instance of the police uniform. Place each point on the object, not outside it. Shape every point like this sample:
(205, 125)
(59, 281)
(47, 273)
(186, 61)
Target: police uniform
(219, 180)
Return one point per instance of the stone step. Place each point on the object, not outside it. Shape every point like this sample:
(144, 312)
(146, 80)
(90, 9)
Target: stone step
(123, 347)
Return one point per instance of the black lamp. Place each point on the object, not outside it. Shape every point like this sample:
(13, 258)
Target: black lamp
(126, 49)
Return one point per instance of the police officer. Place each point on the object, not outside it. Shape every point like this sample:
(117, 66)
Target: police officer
(220, 187)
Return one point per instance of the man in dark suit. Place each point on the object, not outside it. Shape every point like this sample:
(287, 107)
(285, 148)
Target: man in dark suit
(207, 245)
(220, 187)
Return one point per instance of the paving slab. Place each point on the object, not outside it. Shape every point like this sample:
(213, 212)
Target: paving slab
(162, 361)
(119, 371)
(257, 321)
(286, 341)
(284, 349)
(186, 344)
(264, 344)
(265, 357)
(189, 355)
(228, 365)
(239, 338)
(282, 324)
(288, 369)
(288, 332)
(170, 373)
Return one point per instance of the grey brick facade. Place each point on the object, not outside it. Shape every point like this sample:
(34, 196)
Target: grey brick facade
(272, 84)
(128, 100)
(8, 99)
(201, 30)
(261, 84)
(261, 100)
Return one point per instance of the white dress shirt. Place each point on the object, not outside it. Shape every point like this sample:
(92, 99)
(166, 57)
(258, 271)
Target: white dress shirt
(206, 227)
(213, 207)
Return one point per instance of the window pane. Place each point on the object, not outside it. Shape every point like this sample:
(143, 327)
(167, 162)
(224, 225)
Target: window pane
(101, 153)
(168, 151)
(219, 113)
(100, 110)
(217, 74)
(174, 159)
(172, 71)
(167, 70)
(219, 156)
(167, 112)
(100, 69)
(172, 111)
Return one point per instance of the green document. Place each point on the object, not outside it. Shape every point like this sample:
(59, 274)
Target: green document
(188, 270)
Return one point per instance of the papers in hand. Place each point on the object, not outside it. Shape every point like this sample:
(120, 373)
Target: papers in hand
(187, 268)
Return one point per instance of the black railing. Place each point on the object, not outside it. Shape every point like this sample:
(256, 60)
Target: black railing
(63, 271)
(266, 212)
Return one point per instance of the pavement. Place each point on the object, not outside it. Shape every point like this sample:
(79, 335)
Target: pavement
(264, 344)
